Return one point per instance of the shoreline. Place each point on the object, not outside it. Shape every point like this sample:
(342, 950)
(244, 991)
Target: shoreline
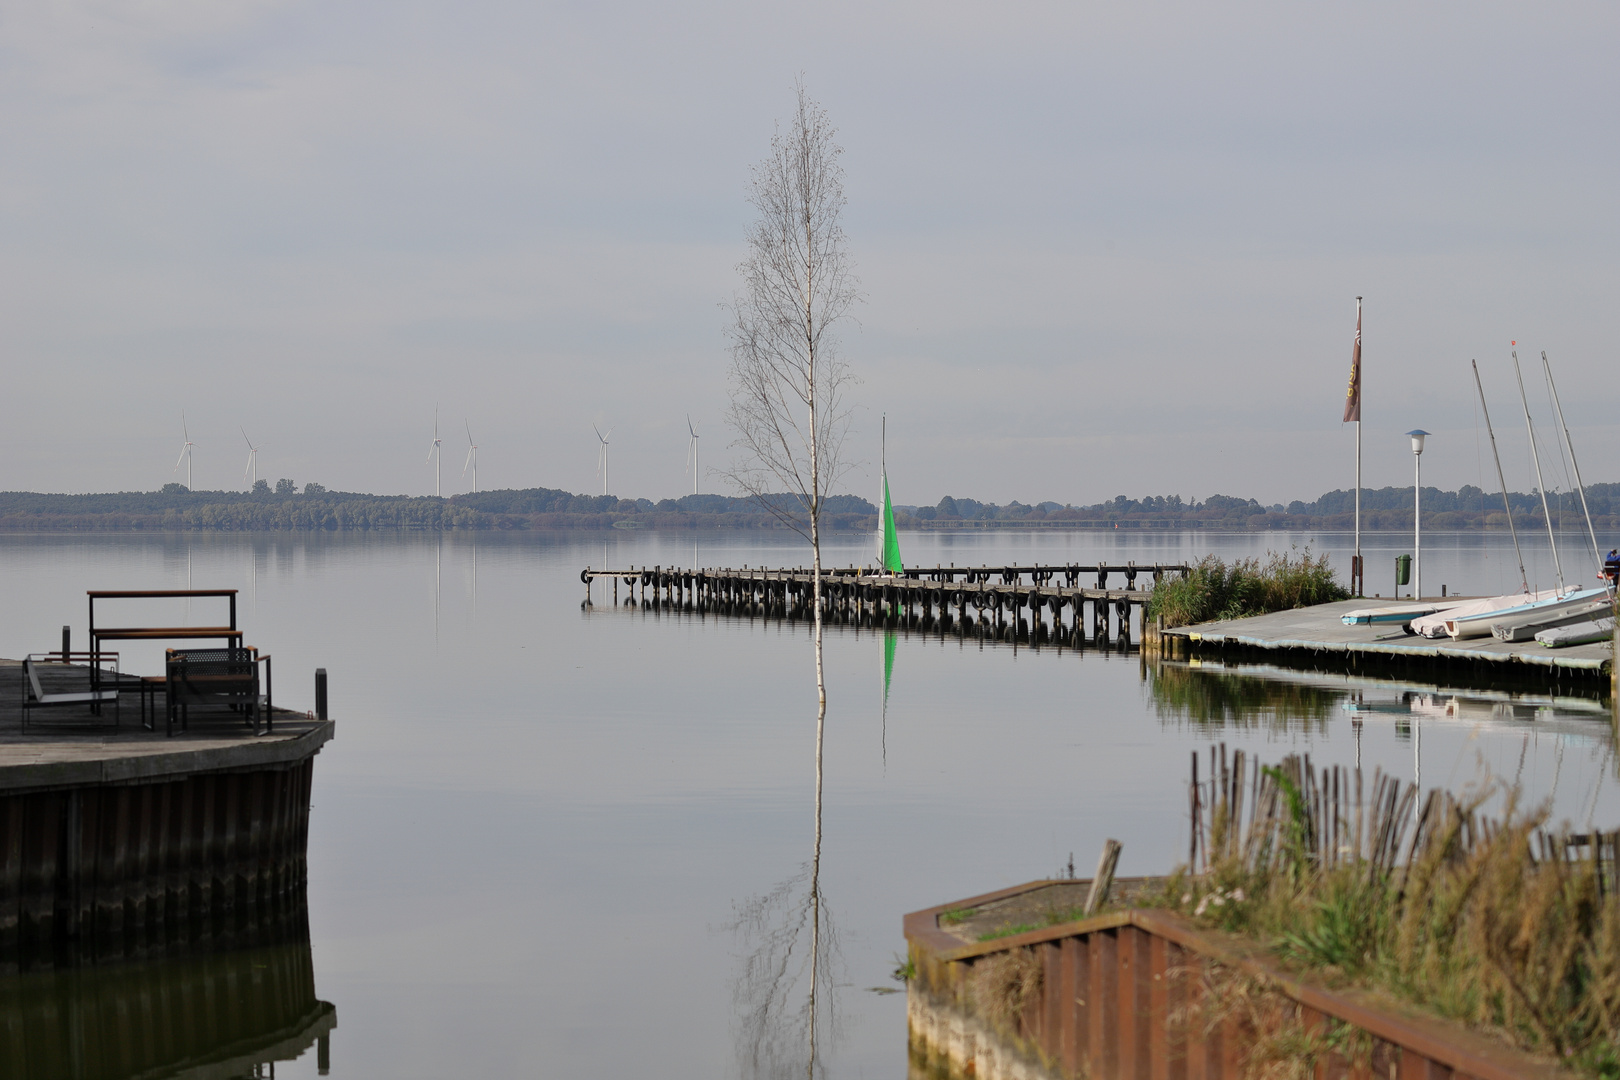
(688, 523)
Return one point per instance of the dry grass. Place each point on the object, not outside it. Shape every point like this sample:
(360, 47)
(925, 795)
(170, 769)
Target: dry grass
(1271, 1038)
(1003, 984)
(1496, 922)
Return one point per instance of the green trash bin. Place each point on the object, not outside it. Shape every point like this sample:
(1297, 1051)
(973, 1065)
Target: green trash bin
(1403, 570)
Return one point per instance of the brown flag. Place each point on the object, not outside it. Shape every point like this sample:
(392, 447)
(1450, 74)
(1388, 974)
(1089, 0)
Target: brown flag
(1352, 396)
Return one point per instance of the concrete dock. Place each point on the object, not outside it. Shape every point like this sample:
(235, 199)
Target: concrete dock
(1315, 637)
(120, 842)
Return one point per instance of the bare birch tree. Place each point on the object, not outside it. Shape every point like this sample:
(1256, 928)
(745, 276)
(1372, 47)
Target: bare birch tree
(787, 382)
(787, 377)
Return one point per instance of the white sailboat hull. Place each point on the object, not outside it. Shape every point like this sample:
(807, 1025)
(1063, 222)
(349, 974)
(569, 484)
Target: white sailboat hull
(1526, 626)
(1434, 626)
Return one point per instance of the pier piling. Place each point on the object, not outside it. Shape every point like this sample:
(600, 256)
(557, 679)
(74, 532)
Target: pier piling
(931, 597)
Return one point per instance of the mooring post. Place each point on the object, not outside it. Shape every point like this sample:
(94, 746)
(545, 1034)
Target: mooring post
(67, 642)
(320, 693)
(323, 1055)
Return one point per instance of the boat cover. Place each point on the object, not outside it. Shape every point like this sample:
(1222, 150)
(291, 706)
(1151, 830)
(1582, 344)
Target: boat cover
(1578, 633)
(1370, 615)
(1434, 626)
(1525, 626)
(1472, 626)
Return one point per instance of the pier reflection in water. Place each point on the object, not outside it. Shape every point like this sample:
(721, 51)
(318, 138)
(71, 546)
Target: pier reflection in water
(1262, 697)
(231, 1005)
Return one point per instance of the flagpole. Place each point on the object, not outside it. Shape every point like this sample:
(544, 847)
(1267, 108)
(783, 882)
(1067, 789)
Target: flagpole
(1357, 565)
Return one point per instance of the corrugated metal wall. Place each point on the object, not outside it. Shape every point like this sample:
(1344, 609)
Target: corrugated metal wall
(1130, 996)
(105, 870)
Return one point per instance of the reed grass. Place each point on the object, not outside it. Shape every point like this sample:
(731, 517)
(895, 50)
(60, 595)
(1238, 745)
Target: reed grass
(1499, 922)
(1214, 589)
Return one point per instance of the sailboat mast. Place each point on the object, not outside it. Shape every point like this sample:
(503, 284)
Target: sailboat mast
(1524, 579)
(883, 491)
(1579, 486)
(1535, 456)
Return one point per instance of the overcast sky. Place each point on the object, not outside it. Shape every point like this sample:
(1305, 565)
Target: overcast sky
(1105, 249)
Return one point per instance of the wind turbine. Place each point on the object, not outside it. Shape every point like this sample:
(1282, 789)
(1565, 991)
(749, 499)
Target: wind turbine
(185, 450)
(692, 452)
(436, 448)
(253, 457)
(601, 458)
(472, 458)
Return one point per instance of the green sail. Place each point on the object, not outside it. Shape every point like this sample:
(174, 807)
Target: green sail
(891, 541)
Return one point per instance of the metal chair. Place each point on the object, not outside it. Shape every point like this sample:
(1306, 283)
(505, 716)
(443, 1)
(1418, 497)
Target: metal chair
(35, 697)
(228, 677)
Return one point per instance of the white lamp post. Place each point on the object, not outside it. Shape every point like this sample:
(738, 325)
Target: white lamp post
(1417, 435)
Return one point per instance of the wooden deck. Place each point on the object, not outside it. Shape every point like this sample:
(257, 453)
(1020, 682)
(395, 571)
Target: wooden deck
(71, 746)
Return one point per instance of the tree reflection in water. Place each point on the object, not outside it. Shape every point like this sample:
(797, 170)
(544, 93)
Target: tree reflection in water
(1210, 696)
(784, 990)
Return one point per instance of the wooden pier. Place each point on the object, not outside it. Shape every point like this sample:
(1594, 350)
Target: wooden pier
(998, 595)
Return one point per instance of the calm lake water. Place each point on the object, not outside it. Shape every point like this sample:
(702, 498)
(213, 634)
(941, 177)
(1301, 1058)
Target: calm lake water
(557, 840)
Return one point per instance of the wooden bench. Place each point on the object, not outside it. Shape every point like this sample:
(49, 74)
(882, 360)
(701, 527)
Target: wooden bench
(35, 697)
(228, 634)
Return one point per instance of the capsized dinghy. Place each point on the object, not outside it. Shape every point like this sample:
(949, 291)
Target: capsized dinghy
(1526, 626)
(1584, 633)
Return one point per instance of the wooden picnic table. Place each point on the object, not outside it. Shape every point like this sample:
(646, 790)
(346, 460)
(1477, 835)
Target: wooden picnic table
(230, 634)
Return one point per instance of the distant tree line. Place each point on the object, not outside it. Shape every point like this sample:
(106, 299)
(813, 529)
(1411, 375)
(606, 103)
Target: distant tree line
(1381, 508)
(287, 507)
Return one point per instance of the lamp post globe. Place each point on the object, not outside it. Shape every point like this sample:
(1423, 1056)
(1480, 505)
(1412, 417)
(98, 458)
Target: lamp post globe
(1417, 435)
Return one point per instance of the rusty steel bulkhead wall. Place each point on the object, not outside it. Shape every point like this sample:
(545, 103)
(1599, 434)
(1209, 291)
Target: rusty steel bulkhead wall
(1122, 996)
(102, 870)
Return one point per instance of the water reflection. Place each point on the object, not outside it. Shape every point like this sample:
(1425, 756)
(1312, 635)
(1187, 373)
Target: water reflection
(1256, 695)
(1107, 633)
(216, 1012)
(783, 995)
(1218, 698)
(890, 637)
(455, 813)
